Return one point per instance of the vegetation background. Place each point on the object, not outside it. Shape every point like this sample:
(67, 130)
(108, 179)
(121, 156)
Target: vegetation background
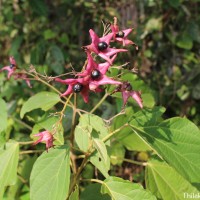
(50, 34)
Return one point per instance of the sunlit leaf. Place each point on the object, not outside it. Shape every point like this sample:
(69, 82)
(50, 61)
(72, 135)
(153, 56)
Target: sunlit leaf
(177, 141)
(8, 165)
(43, 100)
(166, 183)
(50, 177)
(3, 115)
(120, 189)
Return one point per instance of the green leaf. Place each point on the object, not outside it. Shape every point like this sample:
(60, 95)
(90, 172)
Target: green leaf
(96, 123)
(3, 115)
(120, 189)
(174, 3)
(75, 194)
(165, 183)
(49, 34)
(9, 157)
(39, 7)
(82, 137)
(92, 192)
(43, 100)
(50, 176)
(147, 117)
(117, 153)
(177, 141)
(184, 42)
(100, 164)
(101, 148)
(141, 118)
(55, 59)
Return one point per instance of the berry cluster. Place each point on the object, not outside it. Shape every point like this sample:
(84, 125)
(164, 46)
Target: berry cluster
(94, 74)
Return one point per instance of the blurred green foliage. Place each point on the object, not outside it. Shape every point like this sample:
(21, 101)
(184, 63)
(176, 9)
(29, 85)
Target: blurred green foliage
(49, 35)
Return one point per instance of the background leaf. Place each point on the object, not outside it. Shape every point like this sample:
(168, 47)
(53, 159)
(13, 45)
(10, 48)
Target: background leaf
(120, 189)
(165, 183)
(75, 194)
(43, 100)
(3, 115)
(9, 157)
(50, 176)
(82, 137)
(92, 192)
(177, 141)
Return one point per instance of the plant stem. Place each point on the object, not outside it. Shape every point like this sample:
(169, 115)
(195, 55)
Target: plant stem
(99, 103)
(130, 161)
(76, 176)
(30, 151)
(114, 132)
(21, 122)
(94, 180)
(25, 143)
(85, 160)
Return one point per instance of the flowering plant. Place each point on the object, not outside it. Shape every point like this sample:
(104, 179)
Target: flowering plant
(94, 141)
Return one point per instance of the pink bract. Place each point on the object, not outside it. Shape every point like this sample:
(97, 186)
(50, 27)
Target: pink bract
(12, 71)
(124, 40)
(108, 52)
(46, 137)
(11, 68)
(102, 68)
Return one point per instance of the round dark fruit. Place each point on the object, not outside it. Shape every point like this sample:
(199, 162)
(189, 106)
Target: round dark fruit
(77, 87)
(102, 46)
(12, 66)
(128, 87)
(95, 74)
(120, 34)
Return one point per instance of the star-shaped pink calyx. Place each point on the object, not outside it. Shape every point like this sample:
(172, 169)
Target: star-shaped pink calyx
(121, 35)
(97, 73)
(11, 68)
(100, 46)
(126, 90)
(46, 137)
(79, 85)
(12, 71)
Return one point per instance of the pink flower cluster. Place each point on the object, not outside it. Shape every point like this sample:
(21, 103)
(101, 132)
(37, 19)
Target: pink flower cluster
(12, 71)
(94, 74)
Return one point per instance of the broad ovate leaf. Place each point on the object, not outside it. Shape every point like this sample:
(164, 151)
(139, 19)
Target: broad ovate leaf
(82, 137)
(120, 189)
(3, 115)
(50, 176)
(177, 141)
(96, 123)
(9, 156)
(43, 100)
(102, 165)
(165, 182)
(101, 148)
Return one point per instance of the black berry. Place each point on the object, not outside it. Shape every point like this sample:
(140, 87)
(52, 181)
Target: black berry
(102, 46)
(120, 34)
(127, 86)
(12, 66)
(95, 74)
(77, 87)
